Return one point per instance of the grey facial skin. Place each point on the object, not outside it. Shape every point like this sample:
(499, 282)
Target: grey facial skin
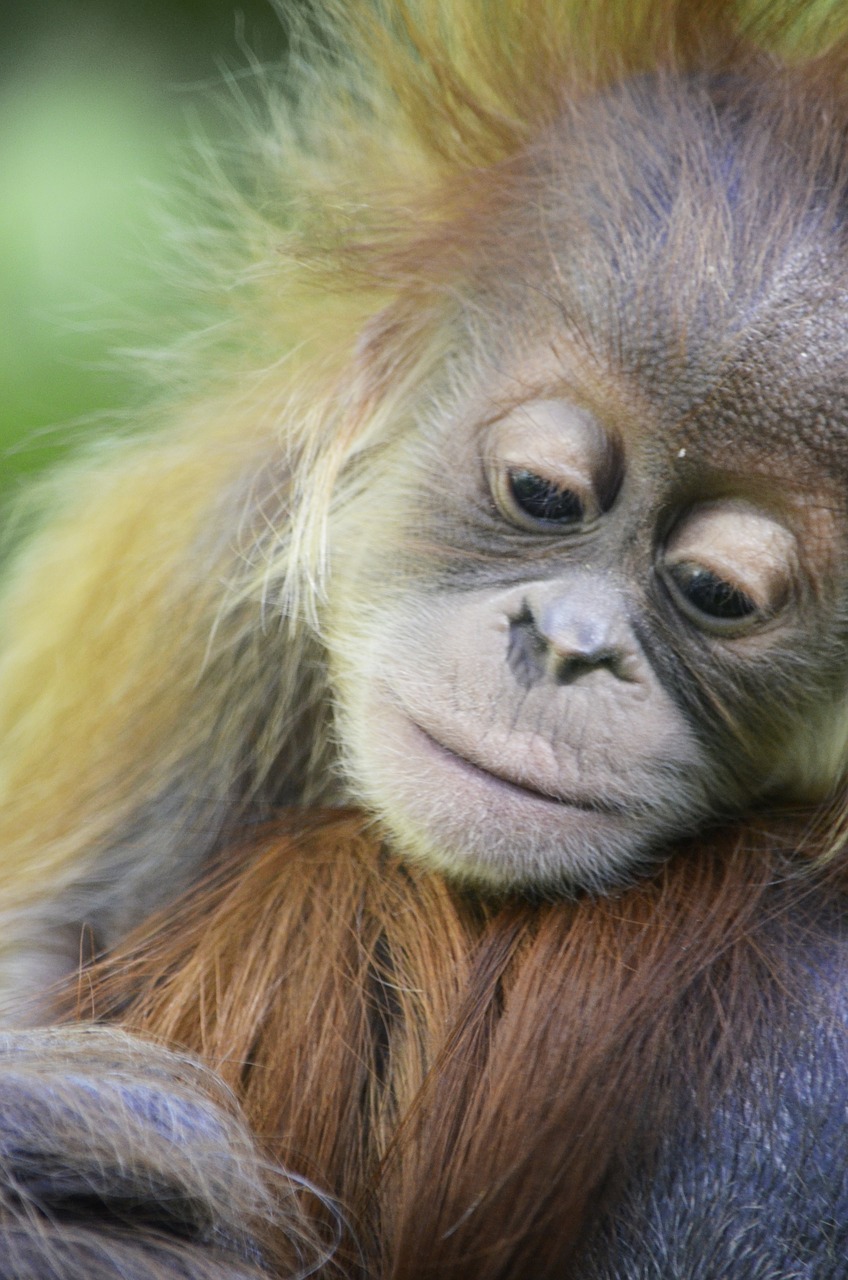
(594, 599)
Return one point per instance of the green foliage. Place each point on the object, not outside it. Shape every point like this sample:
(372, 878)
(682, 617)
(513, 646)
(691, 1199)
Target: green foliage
(98, 104)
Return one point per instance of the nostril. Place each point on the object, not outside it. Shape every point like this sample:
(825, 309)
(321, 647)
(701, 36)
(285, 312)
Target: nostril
(568, 667)
(526, 649)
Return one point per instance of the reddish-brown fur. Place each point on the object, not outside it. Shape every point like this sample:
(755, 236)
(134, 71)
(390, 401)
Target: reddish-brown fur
(470, 1081)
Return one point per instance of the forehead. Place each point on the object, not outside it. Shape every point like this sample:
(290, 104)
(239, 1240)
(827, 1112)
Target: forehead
(778, 409)
(686, 272)
(759, 412)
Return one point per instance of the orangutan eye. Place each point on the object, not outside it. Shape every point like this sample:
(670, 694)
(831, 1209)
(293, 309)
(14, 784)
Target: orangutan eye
(551, 467)
(730, 566)
(711, 595)
(544, 501)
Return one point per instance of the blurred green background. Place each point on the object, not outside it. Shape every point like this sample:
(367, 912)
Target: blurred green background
(97, 100)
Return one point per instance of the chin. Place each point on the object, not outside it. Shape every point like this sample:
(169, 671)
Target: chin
(481, 829)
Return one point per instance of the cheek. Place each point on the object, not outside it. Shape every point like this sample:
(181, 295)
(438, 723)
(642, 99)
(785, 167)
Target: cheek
(809, 743)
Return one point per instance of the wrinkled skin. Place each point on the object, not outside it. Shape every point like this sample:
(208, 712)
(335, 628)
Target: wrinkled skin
(596, 597)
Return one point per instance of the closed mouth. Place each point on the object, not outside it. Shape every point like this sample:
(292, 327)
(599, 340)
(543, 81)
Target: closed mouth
(588, 805)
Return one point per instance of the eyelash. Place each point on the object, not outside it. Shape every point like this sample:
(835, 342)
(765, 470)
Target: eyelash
(538, 499)
(720, 601)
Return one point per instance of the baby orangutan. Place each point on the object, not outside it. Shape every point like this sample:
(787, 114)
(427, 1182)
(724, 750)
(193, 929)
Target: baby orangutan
(521, 516)
(506, 498)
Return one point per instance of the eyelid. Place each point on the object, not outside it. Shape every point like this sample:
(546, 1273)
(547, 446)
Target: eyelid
(575, 504)
(564, 447)
(705, 618)
(722, 572)
(565, 479)
(499, 475)
(748, 549)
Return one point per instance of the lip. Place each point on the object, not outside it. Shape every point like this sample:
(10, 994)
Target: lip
(584, 803)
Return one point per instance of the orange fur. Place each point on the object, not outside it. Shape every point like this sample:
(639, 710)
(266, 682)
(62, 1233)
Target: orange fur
(471, 1081)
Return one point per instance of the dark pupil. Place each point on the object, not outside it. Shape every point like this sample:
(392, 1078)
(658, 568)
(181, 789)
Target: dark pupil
(543, 500)
(713, 595)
